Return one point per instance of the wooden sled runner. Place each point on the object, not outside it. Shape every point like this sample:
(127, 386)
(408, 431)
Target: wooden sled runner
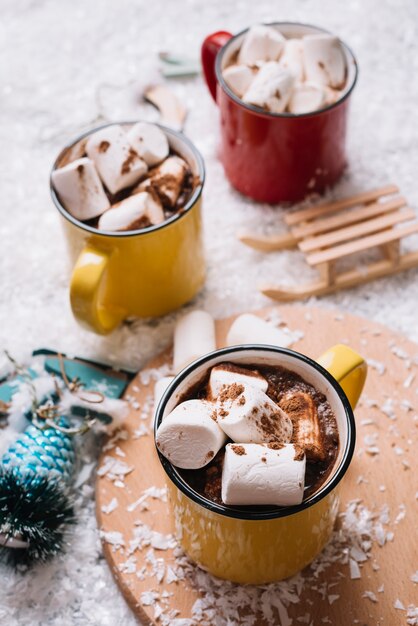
(332, 231)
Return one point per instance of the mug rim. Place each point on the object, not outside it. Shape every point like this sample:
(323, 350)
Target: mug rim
(142, 231)
(258, 110)
(275, 512)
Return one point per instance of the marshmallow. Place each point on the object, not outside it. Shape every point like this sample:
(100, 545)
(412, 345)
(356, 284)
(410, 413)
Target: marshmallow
(301, 408)
(261, 474)
(261, 43)
(80, 189)
(118, 164)
(246, 414)
(249, 328)
(332, 95)
(271, 88)
(132, 213)
(159, 390)
(307, 97)
(189, 437)
(166, 180)
(238, 78)
(149, 141)
(324, 60)
(292, 58)
(226, 374)
(194, 336)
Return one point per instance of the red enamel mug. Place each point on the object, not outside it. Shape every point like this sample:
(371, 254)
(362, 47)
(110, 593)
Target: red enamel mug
(277, 157)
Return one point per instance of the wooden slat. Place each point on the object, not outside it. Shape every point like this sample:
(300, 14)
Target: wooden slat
(345, 219)
(361, 244)
(351, 278)
(358, 230)
(268, 243)
(332, 207)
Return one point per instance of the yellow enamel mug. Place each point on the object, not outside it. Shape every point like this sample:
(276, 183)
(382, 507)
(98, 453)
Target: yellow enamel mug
(272, 543)
(141, 273)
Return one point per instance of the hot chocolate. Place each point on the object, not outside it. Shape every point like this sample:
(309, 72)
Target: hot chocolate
(123, 180)
(282, 75)
(267, 437)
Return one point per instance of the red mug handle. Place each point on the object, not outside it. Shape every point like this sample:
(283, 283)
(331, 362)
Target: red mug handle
(210, 48)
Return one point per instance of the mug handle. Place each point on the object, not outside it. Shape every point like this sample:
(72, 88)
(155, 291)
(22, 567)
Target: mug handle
(348, 368)
(86, 285)
(210, 48)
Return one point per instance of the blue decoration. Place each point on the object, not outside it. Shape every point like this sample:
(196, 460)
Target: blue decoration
(47, 453)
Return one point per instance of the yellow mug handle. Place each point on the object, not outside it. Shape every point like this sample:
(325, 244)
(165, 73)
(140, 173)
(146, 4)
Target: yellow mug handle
(348, 368)
(86, 287)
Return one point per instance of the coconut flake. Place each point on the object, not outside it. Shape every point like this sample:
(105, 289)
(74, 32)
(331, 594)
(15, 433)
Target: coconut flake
(399, 605)
(377, 365)
(148, 598)
(108, 508)
(354, 570)
(370, 596)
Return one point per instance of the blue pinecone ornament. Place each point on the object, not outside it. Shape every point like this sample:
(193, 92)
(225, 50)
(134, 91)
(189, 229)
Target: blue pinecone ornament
(35, 503)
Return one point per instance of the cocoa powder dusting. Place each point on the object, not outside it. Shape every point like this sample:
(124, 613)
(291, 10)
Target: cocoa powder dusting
(301, 402)
(299, 453)
(275, 445)
(103, 146)
(240, 450)
(230, 392)
(128, 162)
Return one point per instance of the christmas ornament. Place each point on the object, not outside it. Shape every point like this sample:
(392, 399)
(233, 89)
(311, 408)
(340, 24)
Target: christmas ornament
(51, 402)
(35, 501)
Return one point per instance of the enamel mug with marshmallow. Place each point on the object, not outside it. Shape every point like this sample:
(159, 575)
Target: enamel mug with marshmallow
(276, 157)
(263, 545)
(139, 273)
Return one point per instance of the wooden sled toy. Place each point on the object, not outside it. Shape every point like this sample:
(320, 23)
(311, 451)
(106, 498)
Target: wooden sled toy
(332, 231)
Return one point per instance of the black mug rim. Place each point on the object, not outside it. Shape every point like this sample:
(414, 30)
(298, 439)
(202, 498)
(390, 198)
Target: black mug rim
(275, 512)
(258, 110)
(143, 231)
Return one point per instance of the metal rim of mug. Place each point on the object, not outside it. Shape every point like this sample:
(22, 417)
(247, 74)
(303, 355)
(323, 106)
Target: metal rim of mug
(274, 512)
(143, 231)
(258, 110)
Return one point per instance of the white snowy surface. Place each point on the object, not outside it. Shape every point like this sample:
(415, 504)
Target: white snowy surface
(66, 66)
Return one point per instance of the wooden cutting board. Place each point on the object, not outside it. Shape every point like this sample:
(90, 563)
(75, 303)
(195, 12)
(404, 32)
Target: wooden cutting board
(383, 472)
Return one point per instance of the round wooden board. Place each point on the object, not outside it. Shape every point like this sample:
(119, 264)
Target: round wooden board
(387, 477)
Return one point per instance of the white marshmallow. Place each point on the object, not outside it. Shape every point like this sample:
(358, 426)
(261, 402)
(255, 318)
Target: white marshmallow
(238, 78)
(292, 58)
(118, 164)
(271, 88)
(167, 180)
(248, 328)
(261, 43)
(324, 60)
(149, 141)
(159, 389)
(246, 414)
(307, 97)
(332, 95)
(194, 336)
(80, 189)
(258, 474)
(223, 375)
(189, 437)
(127, 215)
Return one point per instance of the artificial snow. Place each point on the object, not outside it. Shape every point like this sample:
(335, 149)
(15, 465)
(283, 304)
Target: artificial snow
(70, 67)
